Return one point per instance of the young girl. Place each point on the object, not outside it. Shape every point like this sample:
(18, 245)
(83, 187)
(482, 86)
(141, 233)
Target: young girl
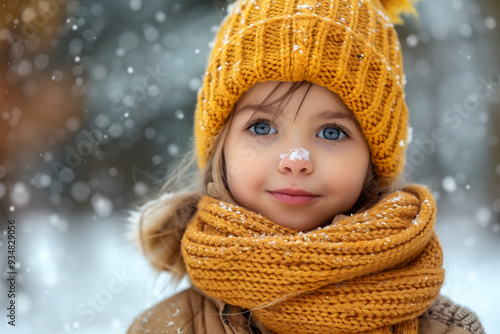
(295, 221)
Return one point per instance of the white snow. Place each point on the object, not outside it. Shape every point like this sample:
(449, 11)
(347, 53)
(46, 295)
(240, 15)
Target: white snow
(410, 134)
(449, 184)
(20, 195)
(490, 23)
(103, 206)
(295, 154)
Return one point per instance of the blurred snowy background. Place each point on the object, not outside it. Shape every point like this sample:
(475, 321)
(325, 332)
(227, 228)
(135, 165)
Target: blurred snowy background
(96, 101)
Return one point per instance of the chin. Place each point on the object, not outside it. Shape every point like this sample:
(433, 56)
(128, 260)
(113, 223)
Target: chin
(299, 226)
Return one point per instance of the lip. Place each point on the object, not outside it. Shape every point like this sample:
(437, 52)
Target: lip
(293, 196)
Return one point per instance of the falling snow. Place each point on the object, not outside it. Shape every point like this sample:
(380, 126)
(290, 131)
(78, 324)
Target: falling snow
(105, 105)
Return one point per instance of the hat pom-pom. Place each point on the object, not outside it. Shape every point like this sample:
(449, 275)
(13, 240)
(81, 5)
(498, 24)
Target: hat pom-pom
(395, 8)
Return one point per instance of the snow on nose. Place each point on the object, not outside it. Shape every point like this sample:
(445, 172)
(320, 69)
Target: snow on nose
(295, 154)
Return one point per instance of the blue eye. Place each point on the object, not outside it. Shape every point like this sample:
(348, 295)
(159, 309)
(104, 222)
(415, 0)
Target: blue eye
(331, 133)
(262, 129)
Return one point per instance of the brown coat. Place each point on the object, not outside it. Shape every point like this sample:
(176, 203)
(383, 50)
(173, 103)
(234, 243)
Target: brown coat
(192, 312)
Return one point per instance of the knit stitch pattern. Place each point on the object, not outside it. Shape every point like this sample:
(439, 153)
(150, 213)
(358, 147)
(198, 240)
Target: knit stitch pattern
(373, 272)
(347, 46)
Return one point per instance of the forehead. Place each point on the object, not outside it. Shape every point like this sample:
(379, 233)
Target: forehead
(271, 93)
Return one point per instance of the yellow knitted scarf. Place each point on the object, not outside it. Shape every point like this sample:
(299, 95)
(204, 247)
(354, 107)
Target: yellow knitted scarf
(373, 272)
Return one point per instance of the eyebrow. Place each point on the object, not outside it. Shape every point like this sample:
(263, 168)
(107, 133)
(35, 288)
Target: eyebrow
(268, 109)
(334, 114)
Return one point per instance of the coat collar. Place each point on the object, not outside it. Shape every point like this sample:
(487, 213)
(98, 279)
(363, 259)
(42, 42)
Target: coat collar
(239, 321)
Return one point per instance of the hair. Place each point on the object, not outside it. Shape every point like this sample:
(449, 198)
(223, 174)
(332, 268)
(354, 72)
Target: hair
(163, 220)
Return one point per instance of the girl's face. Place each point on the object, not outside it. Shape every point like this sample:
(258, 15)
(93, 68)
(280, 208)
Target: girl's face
(302, 169)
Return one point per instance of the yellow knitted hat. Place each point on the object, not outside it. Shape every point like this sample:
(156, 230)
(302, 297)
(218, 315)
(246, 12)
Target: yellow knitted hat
(347, 46)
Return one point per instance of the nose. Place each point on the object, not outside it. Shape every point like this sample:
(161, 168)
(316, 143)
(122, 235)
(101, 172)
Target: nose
(296, 161)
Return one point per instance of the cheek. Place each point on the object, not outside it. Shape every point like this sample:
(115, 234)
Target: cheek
(245, 186)
(244, 170)
(245, 174)
(355, 176)
(239, 162)
(348, 176)
(358, 165)
(239, 155)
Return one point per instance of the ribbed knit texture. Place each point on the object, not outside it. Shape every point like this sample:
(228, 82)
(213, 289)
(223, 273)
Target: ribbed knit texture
(373, 272)
(347, 46)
